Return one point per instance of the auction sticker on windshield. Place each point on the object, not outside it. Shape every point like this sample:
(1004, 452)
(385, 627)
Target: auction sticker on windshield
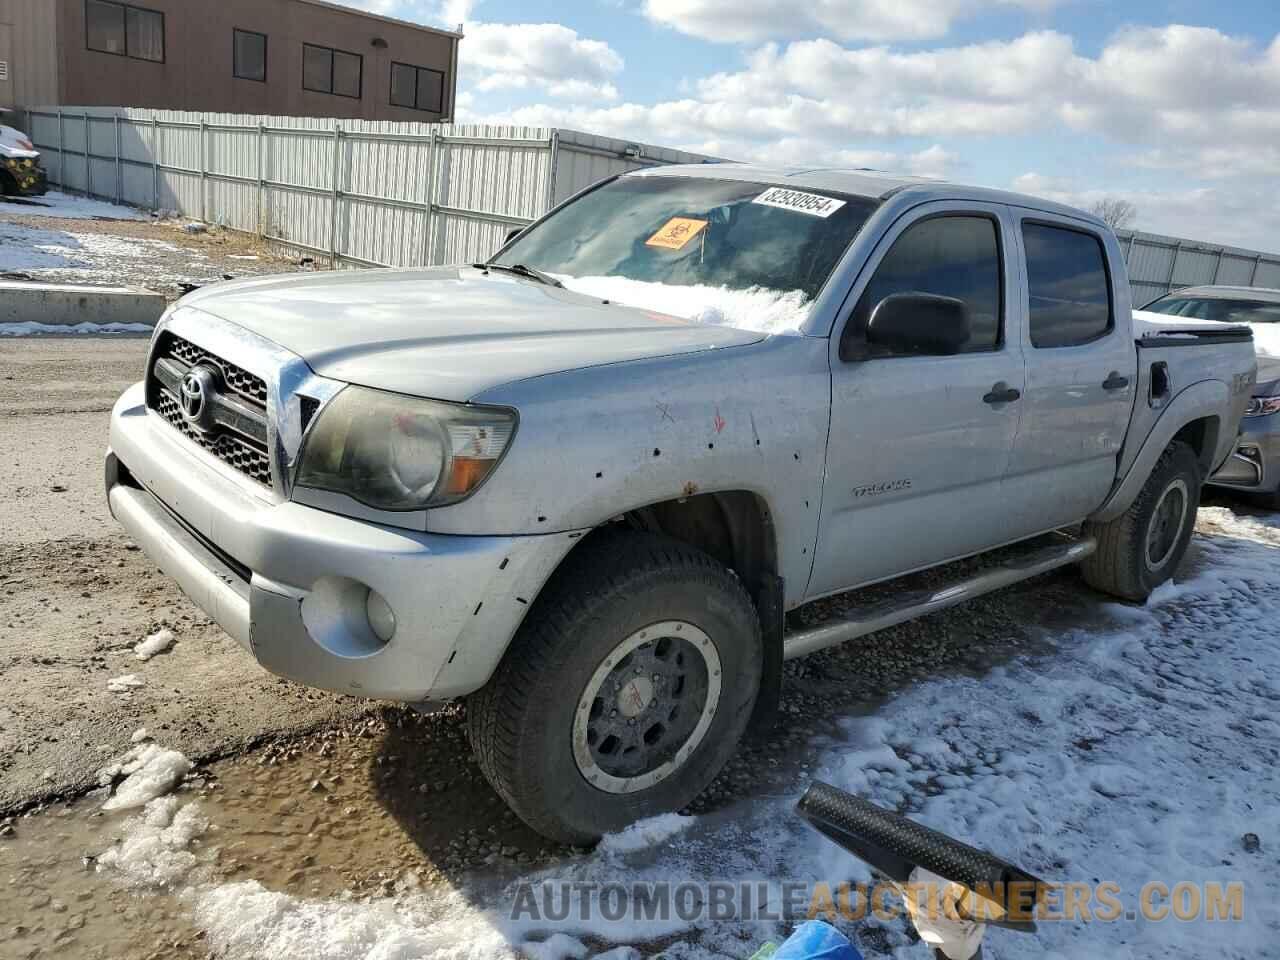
(676, 232)
(813, 204)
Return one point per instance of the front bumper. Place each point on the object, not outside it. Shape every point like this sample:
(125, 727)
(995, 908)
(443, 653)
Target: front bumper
(287, 581)
(1254, 464)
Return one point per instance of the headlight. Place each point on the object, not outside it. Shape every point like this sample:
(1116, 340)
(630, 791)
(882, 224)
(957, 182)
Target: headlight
(393, 452)
(1262, 406)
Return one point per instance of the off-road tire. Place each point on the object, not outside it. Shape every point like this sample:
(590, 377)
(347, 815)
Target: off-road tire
(521, 723)
(1119, 566)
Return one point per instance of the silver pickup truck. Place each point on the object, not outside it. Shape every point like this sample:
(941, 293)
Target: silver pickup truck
(583, 484)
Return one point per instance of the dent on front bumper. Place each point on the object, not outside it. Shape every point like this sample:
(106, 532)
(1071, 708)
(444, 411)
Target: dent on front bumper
(1254, 464)
(285, 580)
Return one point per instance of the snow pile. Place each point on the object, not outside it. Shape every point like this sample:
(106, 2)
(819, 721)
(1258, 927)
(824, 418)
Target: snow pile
(125, 684)
(1266, 339)
(154, 851)
(767, 311)
(244, 920)
(156, 643)
(56, 204)
(646, 833)
(558, 946)
(57, 254)
(34, 327)
(150, 771)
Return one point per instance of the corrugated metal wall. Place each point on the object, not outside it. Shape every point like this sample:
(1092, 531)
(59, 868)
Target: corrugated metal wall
(373, 193)
(1158, 264)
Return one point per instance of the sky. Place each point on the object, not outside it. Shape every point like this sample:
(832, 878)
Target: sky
(1173, 105)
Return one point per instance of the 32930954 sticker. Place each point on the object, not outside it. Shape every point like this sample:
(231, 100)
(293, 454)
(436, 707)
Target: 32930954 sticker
(814, 204)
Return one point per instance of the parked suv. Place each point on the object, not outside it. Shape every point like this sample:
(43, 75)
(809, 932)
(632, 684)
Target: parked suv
(582, 483)
(1254, 465)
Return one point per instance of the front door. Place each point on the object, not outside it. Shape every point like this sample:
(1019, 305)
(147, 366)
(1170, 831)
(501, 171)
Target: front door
(920, 442)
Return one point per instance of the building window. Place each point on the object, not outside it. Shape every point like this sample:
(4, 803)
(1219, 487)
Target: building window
(418, 88)
(249, 52)
(123, 30)
(332, 71)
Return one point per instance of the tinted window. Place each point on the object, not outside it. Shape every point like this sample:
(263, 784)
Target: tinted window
(317, 68)
(346, 74)
(1067, 275)
(419, 88)
(104, 26)
(144, 34)
(430, 90)
(250, 55)
(955, 257)
(404, 85)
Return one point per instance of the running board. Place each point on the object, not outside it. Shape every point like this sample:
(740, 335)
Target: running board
(908, 606)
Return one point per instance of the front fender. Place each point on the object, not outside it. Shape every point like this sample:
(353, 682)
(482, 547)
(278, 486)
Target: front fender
(1208, 399)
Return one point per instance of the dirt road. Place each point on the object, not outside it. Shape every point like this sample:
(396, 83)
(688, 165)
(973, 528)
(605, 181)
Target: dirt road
(76, 596)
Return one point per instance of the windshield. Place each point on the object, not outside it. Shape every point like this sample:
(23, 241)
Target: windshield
(731, 252)
(1217, 308)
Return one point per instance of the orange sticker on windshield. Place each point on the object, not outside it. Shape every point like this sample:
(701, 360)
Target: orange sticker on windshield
(676, 232)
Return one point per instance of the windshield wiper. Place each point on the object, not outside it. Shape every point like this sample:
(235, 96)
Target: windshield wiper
(520, 270)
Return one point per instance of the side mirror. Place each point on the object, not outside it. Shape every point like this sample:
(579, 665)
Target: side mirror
(919, 323)
(511, 235)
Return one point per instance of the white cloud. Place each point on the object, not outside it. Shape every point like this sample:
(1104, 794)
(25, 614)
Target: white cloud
(758, 20)
(1236, 213)
(543, 56)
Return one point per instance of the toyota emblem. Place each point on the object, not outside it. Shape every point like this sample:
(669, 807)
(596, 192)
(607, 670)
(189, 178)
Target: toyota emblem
(196, 390)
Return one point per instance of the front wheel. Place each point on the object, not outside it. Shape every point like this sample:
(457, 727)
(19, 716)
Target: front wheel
(1143, 547)
(625, 691)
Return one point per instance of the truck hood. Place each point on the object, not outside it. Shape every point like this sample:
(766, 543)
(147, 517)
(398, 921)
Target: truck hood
(450, 333)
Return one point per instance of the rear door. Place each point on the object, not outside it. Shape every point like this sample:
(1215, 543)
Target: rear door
(919, 444)
(1081, 375)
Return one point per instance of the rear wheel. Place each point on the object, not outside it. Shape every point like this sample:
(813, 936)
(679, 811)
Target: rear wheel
(1143, 547)
(625, 691)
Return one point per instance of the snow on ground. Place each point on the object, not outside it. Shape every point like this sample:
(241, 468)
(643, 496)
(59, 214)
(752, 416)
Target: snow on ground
(1142, 750)
(33, 328)
(56, 254)
(154, 644)
(57, 204)
(124, 683)
(768, 311)
(154, 851)
(150, 771)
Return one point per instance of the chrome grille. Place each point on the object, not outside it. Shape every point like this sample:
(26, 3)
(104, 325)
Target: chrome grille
(236, 378)
(237, 438)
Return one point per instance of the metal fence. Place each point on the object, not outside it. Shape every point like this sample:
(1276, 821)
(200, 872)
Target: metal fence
(1159, 264)
(364, 193)
(377, 193)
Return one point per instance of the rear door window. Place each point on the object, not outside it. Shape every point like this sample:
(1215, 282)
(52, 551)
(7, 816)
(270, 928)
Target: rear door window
(1069, 288)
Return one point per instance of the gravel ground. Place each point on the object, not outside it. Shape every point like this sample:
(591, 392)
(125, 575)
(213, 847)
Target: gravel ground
(161, 255)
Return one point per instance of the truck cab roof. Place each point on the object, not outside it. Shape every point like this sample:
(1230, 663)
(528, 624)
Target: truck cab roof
(873, 184)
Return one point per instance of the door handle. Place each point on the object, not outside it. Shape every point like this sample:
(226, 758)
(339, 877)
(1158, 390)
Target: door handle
(1002, 393)
(1115, 382)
